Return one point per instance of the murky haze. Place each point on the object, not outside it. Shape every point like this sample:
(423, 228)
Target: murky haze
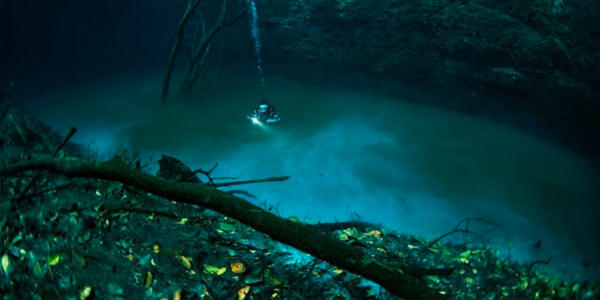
(415, 169)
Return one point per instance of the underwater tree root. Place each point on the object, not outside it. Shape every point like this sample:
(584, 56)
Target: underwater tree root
(403, 282)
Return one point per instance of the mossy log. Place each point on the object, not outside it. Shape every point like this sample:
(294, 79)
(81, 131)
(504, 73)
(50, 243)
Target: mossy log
(403, 282)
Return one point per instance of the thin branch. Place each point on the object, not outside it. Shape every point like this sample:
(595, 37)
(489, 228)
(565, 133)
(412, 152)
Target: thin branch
(37, 175)
(202, 47)
(458, 229)
(72, 132)
(205, 173)
(235, 19)
(193, 4)
(269, 179)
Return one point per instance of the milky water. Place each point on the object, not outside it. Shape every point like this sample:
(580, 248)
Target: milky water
(350, 154)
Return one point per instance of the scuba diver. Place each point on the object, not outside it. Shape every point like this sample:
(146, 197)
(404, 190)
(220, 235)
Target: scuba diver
(264, 113)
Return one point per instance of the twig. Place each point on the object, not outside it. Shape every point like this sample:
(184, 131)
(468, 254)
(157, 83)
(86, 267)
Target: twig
(201, 171)
(72, 132)
(457, 229)
(192, 5)
(39, 173)
(235, 18)
(202, 48)
(269, 179)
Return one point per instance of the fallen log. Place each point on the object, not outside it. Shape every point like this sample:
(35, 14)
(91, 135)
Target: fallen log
(404, 283)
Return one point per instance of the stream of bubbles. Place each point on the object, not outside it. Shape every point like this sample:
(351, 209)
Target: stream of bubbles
(255, 32)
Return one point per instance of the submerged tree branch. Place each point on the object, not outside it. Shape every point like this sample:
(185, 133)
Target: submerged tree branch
(269, 179)
(457, 229)
(192, 5)
(321, 245)
(202, 49)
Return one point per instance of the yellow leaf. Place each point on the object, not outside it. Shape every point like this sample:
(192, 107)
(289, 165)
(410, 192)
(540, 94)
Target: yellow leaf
(54, 260)
(274, 295)
(185, 261)
(5, 263)
(85, 292)
(375, 233)
(177, 294)
(214, 270)
(156, 249)
(238, 267)
(338, 271)
(241, 293)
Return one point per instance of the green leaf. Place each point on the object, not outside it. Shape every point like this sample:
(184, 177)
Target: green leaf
(214, 270)
(227, 227)
(53, 260)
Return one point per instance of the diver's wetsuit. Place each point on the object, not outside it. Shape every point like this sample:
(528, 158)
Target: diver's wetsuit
(268, 115)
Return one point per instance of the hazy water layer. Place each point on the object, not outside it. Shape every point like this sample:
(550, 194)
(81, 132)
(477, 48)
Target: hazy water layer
(416, 169)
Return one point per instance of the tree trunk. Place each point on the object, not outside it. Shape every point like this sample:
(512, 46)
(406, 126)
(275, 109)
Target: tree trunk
(402, 282)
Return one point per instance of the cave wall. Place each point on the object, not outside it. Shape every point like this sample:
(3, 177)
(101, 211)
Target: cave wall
(539, 59)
